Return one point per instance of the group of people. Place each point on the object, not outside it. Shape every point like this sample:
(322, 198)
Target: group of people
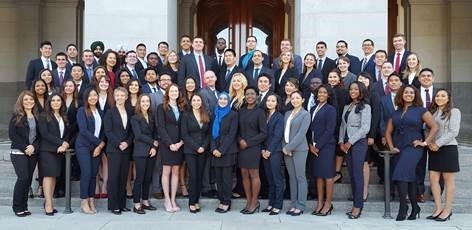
(188, 113)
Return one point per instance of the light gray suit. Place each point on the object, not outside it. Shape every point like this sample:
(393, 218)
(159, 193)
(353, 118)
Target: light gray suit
(298, 146)
(156, 100)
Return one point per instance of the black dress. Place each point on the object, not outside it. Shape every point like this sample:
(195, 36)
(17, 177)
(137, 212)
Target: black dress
(253, 129)
(168, 130)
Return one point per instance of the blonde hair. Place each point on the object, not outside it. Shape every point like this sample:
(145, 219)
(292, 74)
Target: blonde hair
(416, 70)
(238, 96)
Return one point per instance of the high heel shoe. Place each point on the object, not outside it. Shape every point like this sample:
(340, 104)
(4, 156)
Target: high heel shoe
(168, 207)
(414, 213)
(256, 209)
(433, 217)
(352, 216)
(30, 194)
(338, 173)
(274, 212)
(401, 216)
(267, 209)
(326, 213)
(444, 219)
(295, 213)
(316, 212)
(40, 192)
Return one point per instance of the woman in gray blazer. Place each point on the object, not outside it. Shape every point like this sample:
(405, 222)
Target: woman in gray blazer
(295, 149)
(355, 125)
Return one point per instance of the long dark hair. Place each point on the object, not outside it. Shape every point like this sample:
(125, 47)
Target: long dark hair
(331, 96)
(204, 116)
(138, 111)
(446, 112)
(19, 111)
(88, 111)
(180, 100)
(49, 112)
(362, 96)
(74, 94)
(399, 97)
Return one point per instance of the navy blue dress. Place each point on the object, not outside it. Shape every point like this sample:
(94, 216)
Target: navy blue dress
(407, 128)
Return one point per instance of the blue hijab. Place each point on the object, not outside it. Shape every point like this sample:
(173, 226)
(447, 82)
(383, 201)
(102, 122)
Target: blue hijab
(220, 113)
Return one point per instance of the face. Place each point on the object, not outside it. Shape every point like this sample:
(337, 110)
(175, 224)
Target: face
(426, 79)
(27, 102)
(61, 61)
(120, 97)
(220, 44)
(151, 76)
(322, 95)
(173, 92)
(133, 87)
(399, 43)
(394, 83)
(165, 81)
(56, 103)
(364, 80)
(354, 91)
(121, 52)
(98, 51)
(197, 44)
(408, 95)
(124, 77)
(250, 96)
(387, 69)
(222, 101)
(285, 46)
(92, 98)
(297, 100)
(131, 58)
(441, 98)
(341, 48)
(271, 102)
(185, 43)
(190, 85)
(321, 50)
(69, 87)
(257, 58)
(289, 88)
(333, 79)
(87, 58)
(141, 51)
(46, 76)
(40, 88)
(111, 60)
(210, 78)
(286, 57)
(71, 52)
(163, 49)
(263, 84)
(309, 61)
(145, 103)
(103, 84)
(100, 72)
(230, 59)
(251, 43)
(315, 82)
(237, 83)
(152, 60)
(412, 61)
(172, 57)
(76, 73)
(46, 51)
(196, 102)
(343, 66)
(367, 47)
(380, 58)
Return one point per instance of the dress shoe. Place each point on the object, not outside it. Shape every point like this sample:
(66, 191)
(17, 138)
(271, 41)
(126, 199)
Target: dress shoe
(125, 209)
(49, 213)
(444, 219)
(27, 212)
(192, 209)
(268, 209)
(222, 210)
(320, 213)
(274, 212)
(415, 212)
(432, 217)
(289, 212)
(21, 214)
(256, 209)
(116, 211)
(295, 213)
(139, 210)
(149, 207)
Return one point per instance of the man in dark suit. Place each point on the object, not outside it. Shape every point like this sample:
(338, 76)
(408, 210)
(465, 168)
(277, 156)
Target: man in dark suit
(380, 56)
(245, 61)
(310, 98)
(258, 68)
(325, 63)
(131, 59)
(219, 57)
(60, 73)
(285, 46)
(264, 85)
(381, 87)
(367, 63)
(141, 57)
(36, 65)
(398, 58)
(162, 50)
(152, 62)
(224, 79)
(151, 76)
(341, 50)
(195, 64)
(77, 74)
(185, 46)
(88, 64)
(72, 55)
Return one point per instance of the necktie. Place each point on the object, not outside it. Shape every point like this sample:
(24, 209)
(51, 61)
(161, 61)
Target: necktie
(215, 93)
(259, 99)
(397, 63)
(48, 64)
(320, 63)
(256, 73)
(153, 89)
(135, 75)
(364, 62)
(61, 77)
(312, 102)
(202, 71)
(379, 76)
(219, 60)
(89, 73)
(387, 89)
(428, 98)
(78, 87)
(228, 71)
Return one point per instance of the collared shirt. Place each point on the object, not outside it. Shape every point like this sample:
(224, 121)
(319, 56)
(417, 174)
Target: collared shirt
(395, 57)
(423, 94)
(46, 62)
(392, 97)
(197, 61)
(143, 62)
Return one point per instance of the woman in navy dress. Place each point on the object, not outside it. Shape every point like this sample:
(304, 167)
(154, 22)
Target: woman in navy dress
(404, 135)
(322, 145)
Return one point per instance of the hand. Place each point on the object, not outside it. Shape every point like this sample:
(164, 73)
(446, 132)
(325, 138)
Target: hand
(172, 148)
(384, 141)
(433, 147)
(152, 152)
(242, 144)
(123, 145)
(265, 154)
(97, 151)
(200, 150)
(65, 145)
(29, 150)
(348, 146)
(417, 143)
(394, 150)
(216, 153)
(343, 148)
(61, 149)
(286, 152)
(370, 141)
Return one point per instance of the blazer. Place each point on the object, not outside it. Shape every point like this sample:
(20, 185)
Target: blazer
(305, 82)
(193, 135)
(386, 110)
(251, 81)
(32, 72)
(448, 128)
(86, 75)
(144, 135)
(19, 134)
(355, 66)
(189, 67)
(55, 76)
(145, 88)
(115, 132)
(168, 128)
(209, 98)
(374, 103)
(50, 134)
(378, 89)
(328, 65)
(392, 56)
(262, 103)
(174, 75)
(221, 83)
(322, 126)
(369, 67)
(298, 128)
(275, 133)
(250, 63)
(357, 125)
(71, 114)
(280, 88)
(297, 62)
(86, 137)
(156, 100)
(80, 95)
(226, 142)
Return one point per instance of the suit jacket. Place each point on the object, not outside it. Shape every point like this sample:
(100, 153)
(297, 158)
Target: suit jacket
(297, 62)
(86, 137)
(156, 100)
(19, 134)
(357, 125)
(189, 67)
(369, 67)
(181, 55)
(209, 99)
(222, 84)
(322, 127)
(50, 134)
(80, 95)
(378, 89)
(403, 63)
(297, 135)
(328, 65)
(115, 132)
(251, 81)
(386, 110)
(354, 66)
(305, 82)
(193, 135)
(146, 88)
(250, 63)
(280, 88)
(416, 82)
(86, 76)
(139, 66)
(226, 142)
(374, 103)
(168, 128)
(55, 76)
(262, 103)
(275, 133)
(34, 67)
(144, 135)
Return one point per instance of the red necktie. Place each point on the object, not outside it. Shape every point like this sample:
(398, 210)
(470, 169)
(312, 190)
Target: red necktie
(387, 89)
(397, 63)
(379, 76)
(202, 70)
(428, 98)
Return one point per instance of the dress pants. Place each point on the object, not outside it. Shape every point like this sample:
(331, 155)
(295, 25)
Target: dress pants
(24, 167)
(157, 174)
(195, 167)
(298, 185)
(144, 166)
(275, 179)
(421, 173)
(208, 177)
(88, 171)
(118, 166)
(355, 164)
(224, 182)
